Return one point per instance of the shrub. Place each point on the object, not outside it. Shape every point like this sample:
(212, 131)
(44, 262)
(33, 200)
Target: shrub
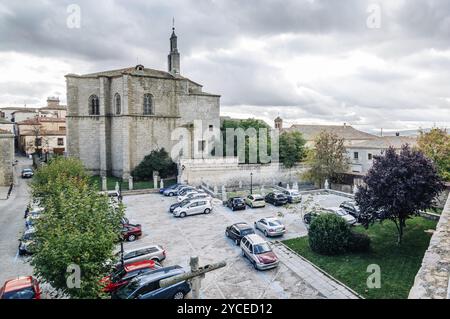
(329, 234)
(159, 161)
(359, 243)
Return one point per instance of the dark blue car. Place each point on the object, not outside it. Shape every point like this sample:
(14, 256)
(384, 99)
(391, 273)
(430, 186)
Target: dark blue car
(161, 190)
(147, 286)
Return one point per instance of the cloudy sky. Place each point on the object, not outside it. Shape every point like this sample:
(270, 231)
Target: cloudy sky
(371, 64)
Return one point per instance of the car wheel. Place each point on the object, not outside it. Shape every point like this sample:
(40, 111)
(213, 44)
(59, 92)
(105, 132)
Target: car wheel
(171, 194)
(254, 265)
(207, 211)
(156, 260)
(131, 238)
(265, 233)
(236, 241)
(227, 234)
(243, 254)
(179, 295)
(183, 214)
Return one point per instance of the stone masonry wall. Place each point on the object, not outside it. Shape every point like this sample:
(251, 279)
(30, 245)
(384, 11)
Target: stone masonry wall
(432, 280)
(6, 159)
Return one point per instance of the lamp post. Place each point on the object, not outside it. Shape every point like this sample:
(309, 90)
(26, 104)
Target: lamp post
(120, 189)
(251, 183)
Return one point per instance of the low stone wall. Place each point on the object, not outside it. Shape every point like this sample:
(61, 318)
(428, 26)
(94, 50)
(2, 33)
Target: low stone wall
(228, 172)
(432, 280)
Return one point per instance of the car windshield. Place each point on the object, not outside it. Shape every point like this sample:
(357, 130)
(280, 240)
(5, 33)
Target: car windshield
(27, 170)
(27, 293)
(248, 231)
(279, 196)
(184, 202)
(295, 193)
(116, 276)
(261, 248)
(259, 199)
(127, 290)
(274, 223)
(341, 212)
(238, 200)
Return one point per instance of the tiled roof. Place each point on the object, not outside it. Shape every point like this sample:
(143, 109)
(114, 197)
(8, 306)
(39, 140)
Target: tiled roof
(132, 71)
(39, 120)
(386, 141)
(347, 132)
(44, 133)
(55, 108)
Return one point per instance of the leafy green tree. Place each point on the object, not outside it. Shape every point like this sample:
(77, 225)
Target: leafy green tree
(246, 124)
(329, 234)
(327, 159)
(79, 228)
(157, 160)
(397, 187)
(436, 145)
(292, 148)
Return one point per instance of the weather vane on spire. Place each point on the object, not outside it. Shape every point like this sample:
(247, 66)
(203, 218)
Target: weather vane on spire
(173, 23)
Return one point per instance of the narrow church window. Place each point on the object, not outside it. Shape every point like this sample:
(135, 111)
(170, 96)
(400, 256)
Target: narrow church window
(148, 104)
(94, 105)
(118, 104)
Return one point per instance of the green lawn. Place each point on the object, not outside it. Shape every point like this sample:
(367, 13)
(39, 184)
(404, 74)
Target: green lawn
(111, 183)
(399, 264)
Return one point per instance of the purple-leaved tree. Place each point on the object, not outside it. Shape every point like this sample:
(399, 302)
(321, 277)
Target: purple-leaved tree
(397, 187)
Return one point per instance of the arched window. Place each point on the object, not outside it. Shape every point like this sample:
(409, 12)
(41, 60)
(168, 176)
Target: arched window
(148, 104)
(94, 105)
(118, 104)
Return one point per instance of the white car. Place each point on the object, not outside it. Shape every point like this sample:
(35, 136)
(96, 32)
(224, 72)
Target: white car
(342, 213)
(186, 195)
(194, 207)
(192, 196)
(293, 196)
(270, 226)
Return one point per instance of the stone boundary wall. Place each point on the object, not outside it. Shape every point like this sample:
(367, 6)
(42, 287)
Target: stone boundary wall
(432, 280)
(228, 172)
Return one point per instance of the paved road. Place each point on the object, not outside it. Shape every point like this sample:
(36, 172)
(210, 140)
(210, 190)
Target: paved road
(12, 226)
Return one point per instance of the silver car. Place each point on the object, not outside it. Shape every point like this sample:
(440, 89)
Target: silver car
(293, 196)
(194, 207)
(342, 213)
(270, 226)
(153, 252)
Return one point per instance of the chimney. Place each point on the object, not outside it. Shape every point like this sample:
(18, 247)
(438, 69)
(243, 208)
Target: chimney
(397, 134)
(52, 101)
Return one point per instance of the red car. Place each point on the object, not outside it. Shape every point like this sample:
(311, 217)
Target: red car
(21, 288)
(124, 274)
(131, 232)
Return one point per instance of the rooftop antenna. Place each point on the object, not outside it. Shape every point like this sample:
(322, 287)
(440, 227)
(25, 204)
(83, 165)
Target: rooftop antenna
(173, 23)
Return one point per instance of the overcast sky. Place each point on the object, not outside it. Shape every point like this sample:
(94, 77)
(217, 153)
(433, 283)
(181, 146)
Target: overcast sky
(309, 61)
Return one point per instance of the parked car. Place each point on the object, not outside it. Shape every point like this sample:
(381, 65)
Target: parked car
(351, 208)
(255, 201)
(293, 196)
(191, 195)
(342, 213)
(174, 191)
(237, 231)
(259, 252)
(276, 199)
(21, 288)
(123, 274)
(308, 218)
(236, 203)
(147, 286)
(130, 232)
(27, 173)
(195, 207)
(187, 190)
(168, 188)
(178, 204)
(26, 242)
(152, 252)
(270, 226)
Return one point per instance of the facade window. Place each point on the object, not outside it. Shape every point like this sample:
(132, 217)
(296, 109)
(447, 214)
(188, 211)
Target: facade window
(355, 155)
(369, 156)
(60, 141)
(201, 145)
(38, 141)
(148, 104)
(118, 104)
(211, 128)
(94, 105)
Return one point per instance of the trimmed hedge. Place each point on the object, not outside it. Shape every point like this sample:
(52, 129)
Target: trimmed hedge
(329, 234)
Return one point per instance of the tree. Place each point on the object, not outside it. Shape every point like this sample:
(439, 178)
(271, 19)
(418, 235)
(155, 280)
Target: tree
(436, 145)
(397, 187)
(79, 228)
(327, 159)
(292, 148)
(157, 160)
(246, 124)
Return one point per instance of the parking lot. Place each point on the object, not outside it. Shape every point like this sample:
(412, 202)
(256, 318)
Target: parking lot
(203, 236)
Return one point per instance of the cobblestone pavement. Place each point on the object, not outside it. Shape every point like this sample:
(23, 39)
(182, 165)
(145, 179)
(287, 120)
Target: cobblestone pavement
(12, 226)
(203, 236)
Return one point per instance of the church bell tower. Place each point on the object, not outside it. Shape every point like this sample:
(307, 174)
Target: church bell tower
(174, 55)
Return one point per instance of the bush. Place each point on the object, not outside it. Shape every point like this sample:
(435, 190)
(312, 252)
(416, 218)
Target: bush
(329, 234)
(159, 161)
(359, 243)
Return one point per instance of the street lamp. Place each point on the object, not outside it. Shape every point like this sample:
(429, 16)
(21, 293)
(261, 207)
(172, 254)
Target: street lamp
(251, 183)
(120, 189)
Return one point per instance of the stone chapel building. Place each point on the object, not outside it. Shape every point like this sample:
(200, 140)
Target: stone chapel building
(115, 118)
